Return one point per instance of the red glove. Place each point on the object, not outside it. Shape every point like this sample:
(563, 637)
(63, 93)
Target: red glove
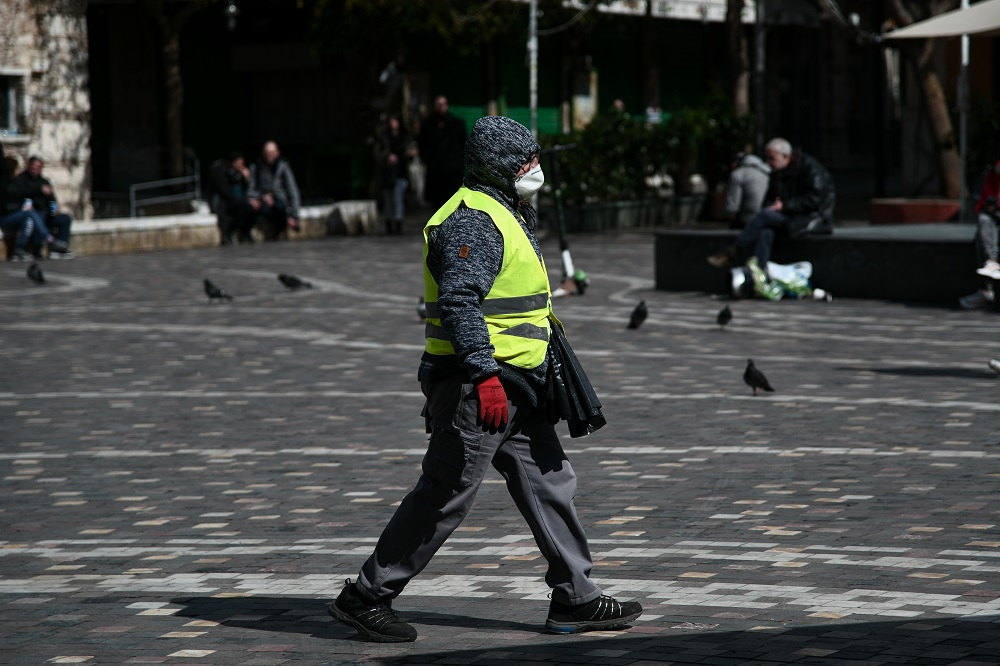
(492, 404)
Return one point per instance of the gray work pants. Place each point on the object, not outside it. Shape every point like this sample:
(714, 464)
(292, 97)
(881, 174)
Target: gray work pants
(539, 479)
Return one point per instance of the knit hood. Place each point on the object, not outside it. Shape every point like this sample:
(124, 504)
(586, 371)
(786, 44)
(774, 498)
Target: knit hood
(494, 153)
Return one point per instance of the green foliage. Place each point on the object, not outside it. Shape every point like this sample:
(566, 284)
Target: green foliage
(357, 29)
(615, 153)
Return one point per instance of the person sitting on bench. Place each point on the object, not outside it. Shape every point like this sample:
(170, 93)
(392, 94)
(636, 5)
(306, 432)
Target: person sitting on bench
(230, 179)
(800, 199)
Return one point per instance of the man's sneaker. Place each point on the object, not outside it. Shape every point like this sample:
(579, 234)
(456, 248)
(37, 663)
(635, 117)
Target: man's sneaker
(990, 269)
(602, 613)
(978, 299)
(994, 365)
(54, 254)
(21, 255)
(374, 620)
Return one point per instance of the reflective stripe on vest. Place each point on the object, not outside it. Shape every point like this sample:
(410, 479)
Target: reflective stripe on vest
(518, 306)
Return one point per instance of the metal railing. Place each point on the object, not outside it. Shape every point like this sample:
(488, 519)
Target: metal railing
(191, 192)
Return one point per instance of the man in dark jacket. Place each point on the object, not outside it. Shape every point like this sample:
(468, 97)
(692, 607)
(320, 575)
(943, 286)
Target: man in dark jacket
(483, 373)
(229, 181)
(273, 193)
(800, 199)
(441, 143)
(30, 184)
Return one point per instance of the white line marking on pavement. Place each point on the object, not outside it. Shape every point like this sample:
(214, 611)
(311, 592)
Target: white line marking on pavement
(68, 283)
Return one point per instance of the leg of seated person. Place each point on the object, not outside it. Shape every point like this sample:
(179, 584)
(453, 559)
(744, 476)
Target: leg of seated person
(12, 226)
(60, 226)
(243, 219)
(986, 237)
(24, 225)
(280, 215)
(762, 248)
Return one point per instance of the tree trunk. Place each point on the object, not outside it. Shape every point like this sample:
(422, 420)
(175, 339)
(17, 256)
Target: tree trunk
(174, 92)
(921, 57)
(170, 25)
(650, 72)
(949, 162)
(739, 60)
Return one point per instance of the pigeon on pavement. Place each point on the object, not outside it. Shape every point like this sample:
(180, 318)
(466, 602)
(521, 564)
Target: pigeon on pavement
(215, 292)
(724, 317)
(638, 315)
(35, 274)
(755, 379)
(293, 282)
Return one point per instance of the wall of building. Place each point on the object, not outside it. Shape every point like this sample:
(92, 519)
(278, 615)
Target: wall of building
(43, 61)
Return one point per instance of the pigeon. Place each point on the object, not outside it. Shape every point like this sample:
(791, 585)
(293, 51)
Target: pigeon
(421, 309)
(293, 282)
(724, 317)
(754, 378)
(214, 291)
(35, 274)
(638, 315)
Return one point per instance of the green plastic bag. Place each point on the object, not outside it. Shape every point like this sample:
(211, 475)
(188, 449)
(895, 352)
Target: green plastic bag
(763, 286)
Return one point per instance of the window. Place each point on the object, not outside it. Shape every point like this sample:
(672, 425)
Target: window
(7, 119)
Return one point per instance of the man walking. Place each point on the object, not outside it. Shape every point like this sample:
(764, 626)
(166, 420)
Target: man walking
(483, 372)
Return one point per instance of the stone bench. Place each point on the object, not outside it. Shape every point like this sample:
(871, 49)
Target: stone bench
(925, 263)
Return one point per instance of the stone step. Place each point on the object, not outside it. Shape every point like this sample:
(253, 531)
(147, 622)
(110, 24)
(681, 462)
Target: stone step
(179, 232)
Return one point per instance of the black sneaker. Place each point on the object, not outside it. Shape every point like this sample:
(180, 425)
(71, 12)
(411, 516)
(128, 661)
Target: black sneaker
(374, 620)
(602, 613)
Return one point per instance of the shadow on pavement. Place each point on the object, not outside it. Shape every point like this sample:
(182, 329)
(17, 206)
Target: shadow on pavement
(923, 641)
(301, 615)
(962, 373)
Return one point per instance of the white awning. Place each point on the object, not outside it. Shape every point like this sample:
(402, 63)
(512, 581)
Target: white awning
(982, 18)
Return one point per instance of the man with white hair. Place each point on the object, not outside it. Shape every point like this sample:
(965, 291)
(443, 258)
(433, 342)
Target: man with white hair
(800, 199)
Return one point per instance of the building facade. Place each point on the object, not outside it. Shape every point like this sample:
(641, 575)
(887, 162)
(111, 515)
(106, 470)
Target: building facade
(44, 99)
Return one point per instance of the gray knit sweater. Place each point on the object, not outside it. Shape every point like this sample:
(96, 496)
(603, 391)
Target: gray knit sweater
(494, 153)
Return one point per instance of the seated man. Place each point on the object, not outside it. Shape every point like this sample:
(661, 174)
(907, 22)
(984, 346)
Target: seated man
(230, 179)
(799, 200)
(987, 218)
(30, 184)
(273, 191)
(746, 188)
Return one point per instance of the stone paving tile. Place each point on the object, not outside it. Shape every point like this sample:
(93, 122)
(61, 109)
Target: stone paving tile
(188, 483)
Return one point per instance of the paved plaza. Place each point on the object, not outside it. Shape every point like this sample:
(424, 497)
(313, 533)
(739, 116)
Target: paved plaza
(189, 483)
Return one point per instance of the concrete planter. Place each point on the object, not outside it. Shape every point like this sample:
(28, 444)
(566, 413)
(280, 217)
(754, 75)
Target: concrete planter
(913, 211)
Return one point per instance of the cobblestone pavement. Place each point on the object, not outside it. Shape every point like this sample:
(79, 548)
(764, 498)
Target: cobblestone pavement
(187, 483)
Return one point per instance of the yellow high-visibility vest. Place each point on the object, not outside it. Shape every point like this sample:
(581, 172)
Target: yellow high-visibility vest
(518, 306)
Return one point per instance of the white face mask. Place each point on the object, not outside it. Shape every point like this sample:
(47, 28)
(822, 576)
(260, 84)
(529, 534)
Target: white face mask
(530, 183)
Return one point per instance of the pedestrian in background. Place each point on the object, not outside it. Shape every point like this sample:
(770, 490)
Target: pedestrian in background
(441, 142)
(987, 219)
(393, 155)
(483, 373)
